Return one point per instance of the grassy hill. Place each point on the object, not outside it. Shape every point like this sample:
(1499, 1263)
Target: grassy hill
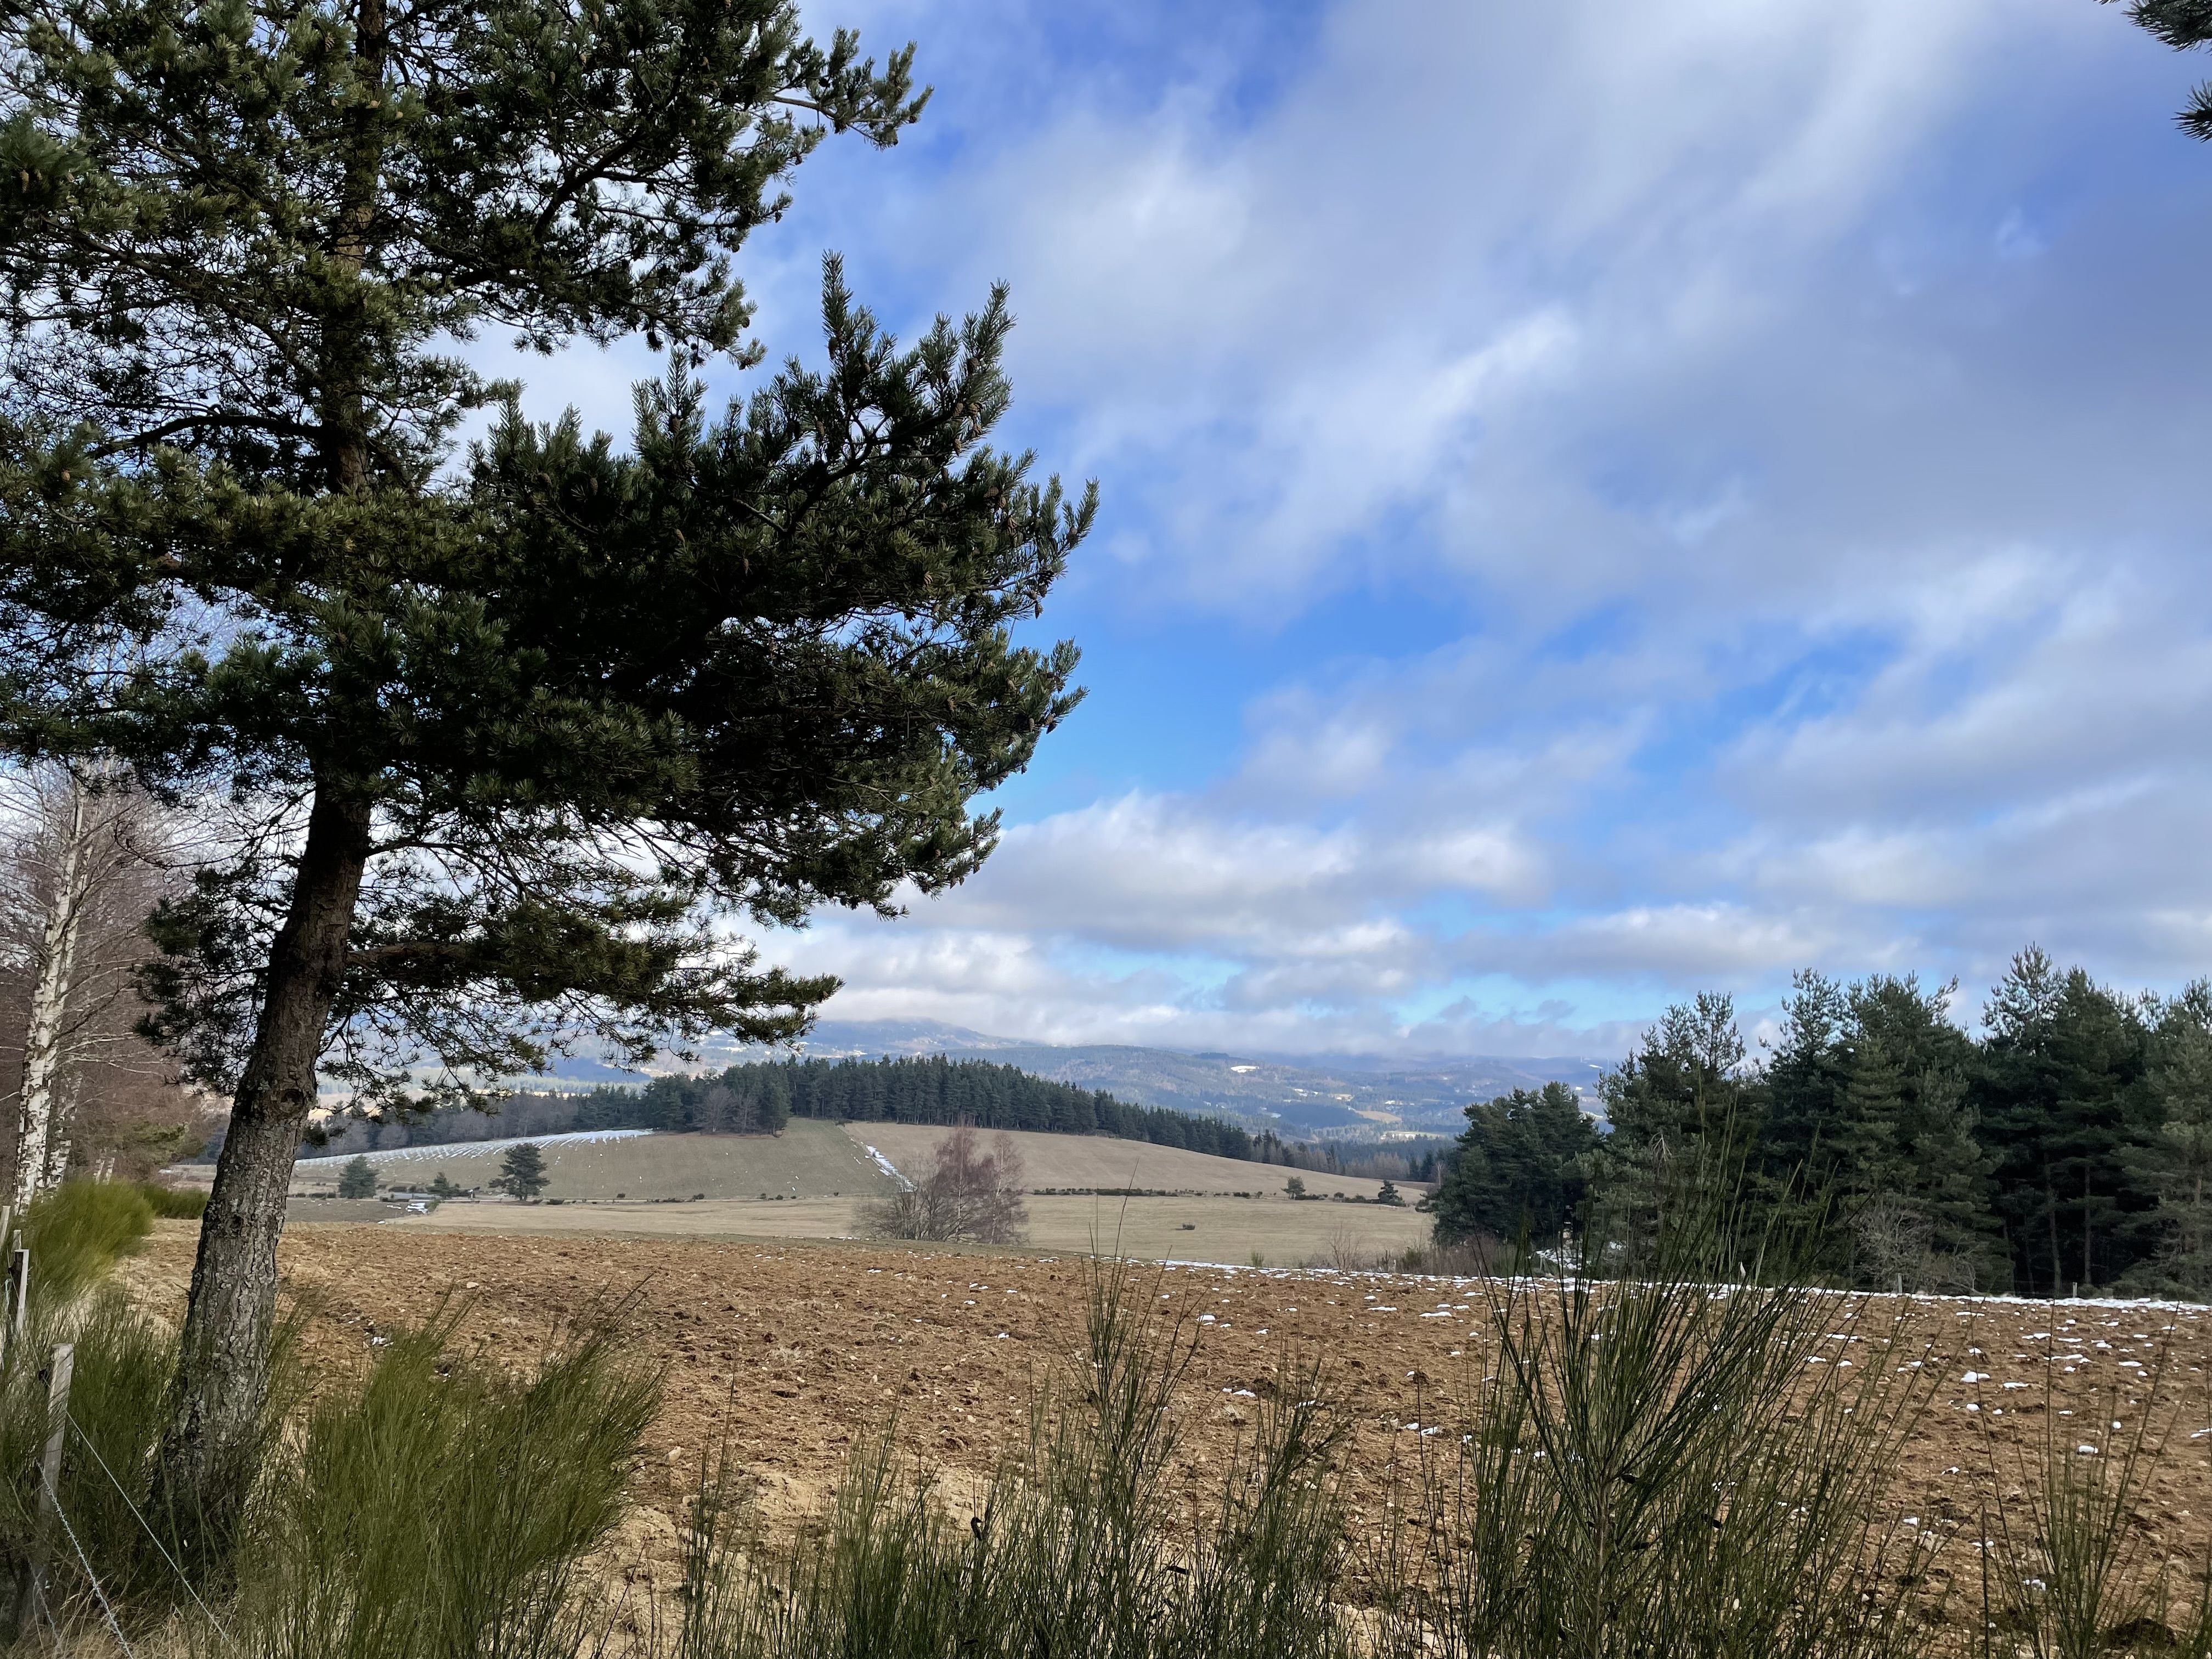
(1098, 1161)
(816, 1173)
(810, 1159)
(807, 1160)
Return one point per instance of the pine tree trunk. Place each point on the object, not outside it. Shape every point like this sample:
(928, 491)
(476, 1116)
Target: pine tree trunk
(222, 1377)
(2051, 1209)
(42, 1049)
(2089, 1274)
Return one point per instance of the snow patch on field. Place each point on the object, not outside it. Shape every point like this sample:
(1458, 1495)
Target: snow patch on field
(886, 1165)
(465, 1148)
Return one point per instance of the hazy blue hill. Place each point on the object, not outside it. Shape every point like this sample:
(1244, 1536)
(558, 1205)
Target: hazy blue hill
(864, 1039)
(1295, 1093)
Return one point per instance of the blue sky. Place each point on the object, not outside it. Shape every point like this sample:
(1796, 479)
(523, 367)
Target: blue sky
(1598, 503)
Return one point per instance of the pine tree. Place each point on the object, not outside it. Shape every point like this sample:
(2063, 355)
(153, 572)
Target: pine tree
(1804, 1135)
(2176, 1164)
(2063, 1109)
(518, 732)
(2182, 24)
(1909, 1071)
(357, 1179)
(522, 1172)
(1683, 1112)
(1518, 1168)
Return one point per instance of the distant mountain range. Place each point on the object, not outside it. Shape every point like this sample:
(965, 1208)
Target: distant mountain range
(1331, 1095)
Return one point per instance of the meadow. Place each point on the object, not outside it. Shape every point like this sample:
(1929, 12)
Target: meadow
(810, 1159)
(810, 1182)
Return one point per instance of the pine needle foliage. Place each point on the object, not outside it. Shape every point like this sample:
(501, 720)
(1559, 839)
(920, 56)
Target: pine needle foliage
(511, 739)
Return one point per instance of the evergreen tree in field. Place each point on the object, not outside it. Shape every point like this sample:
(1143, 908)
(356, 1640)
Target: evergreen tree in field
(522, 1172)
(509, 740)
(1518, 1167)
(1868, 1136)
(2064, 1110)
(2182, 24)
(356, 1179)
(1912, 1139)
(1684, 1114)
(1803, 1138)
(2175, 1164)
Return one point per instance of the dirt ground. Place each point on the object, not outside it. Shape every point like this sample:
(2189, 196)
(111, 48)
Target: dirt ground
(795, 1351)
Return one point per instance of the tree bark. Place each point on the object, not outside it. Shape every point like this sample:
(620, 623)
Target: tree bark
(2051, 1209)
(222, 1378)
(2088, 1273)
(50, 996)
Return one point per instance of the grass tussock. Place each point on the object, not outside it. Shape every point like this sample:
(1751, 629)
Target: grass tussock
(2063, 1572)
(175, 1203)
(442, 1507)
(77, 1231)
(1661, 1464)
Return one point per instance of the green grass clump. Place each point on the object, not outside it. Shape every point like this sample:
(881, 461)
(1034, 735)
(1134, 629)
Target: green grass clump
(117, 1399)
(1662, 1464)
(443, 1506)
(77, 1232)
(175, 1203)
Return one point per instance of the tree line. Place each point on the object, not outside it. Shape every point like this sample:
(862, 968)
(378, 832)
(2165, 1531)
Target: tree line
(938, 1090)
(2065, 1145)
(760, 1098)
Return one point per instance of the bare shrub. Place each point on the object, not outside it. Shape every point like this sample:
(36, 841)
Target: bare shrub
(1895, 1243)
(1346, 1252)
(971, 1196)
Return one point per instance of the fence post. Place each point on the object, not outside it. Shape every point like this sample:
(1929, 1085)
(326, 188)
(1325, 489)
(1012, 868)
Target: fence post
(31, 1574)
(7, 1228)
(19, 1297)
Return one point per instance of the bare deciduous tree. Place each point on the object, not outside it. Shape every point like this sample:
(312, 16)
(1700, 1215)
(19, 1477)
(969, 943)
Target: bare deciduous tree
(1895, 1241)
(84, 857)
(971, 1196)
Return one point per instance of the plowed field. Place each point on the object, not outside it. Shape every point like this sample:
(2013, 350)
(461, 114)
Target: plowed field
(797, 1350)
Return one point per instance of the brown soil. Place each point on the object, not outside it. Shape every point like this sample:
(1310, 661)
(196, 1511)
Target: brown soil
(796, 1351)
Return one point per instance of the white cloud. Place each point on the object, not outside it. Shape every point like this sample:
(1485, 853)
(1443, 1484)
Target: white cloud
(1804, 409)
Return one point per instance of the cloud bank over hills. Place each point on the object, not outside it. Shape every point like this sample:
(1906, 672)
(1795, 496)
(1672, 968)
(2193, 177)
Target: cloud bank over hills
(1600, 502)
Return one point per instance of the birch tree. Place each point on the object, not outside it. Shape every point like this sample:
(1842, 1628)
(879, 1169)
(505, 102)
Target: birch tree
(84, 867)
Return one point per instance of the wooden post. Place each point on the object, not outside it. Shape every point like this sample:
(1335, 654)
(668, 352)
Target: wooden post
(31, 1576)
(19, 1292)
(7, 1227)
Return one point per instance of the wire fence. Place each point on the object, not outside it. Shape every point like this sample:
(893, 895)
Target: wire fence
(123, 1492)
(33, 1604)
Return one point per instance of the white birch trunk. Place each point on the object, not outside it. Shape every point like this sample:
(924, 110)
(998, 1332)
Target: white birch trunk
(43, 1055)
